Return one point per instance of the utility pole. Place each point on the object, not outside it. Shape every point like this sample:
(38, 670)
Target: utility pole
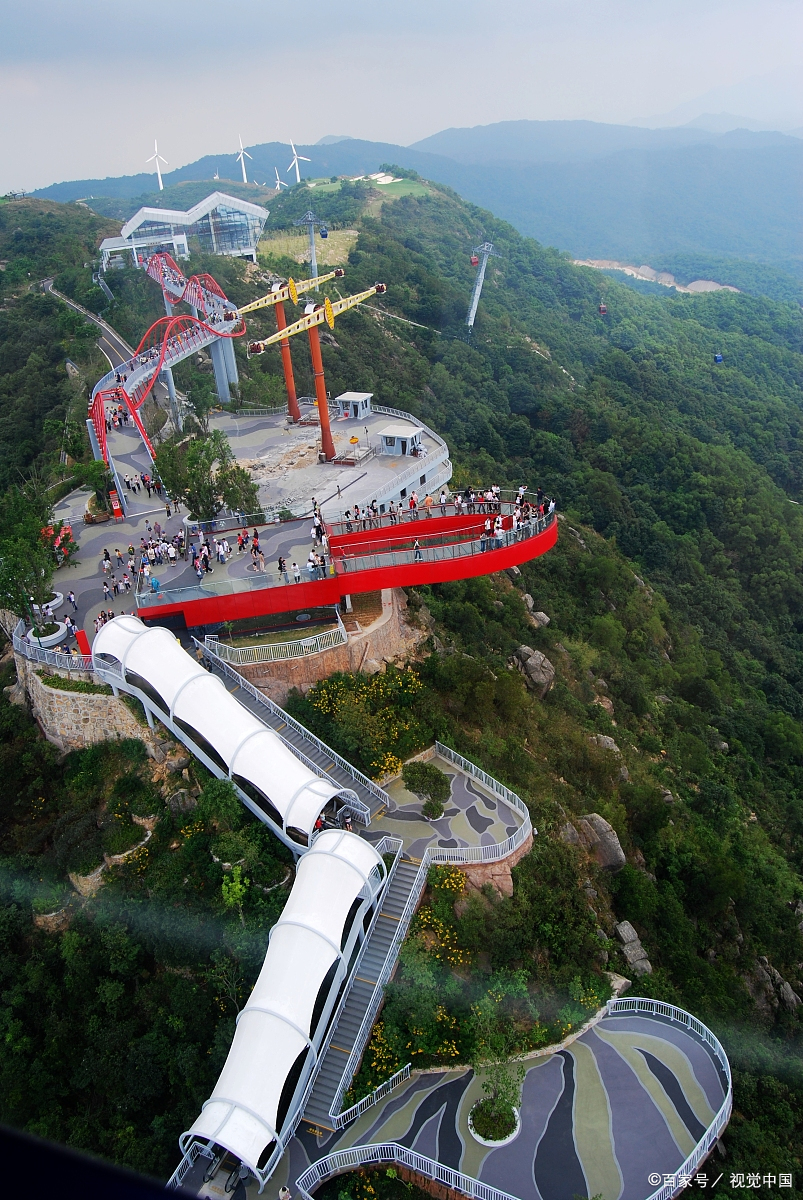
(485, 251)
(310, 220)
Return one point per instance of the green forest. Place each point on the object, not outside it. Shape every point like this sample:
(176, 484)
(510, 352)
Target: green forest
(674, 594)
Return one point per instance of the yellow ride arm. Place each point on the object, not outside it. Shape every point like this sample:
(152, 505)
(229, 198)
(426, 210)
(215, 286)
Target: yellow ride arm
(320, 313)
(290, 291)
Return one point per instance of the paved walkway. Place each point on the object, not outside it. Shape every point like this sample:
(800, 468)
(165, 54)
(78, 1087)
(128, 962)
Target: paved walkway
(629, 1099)
(473, 816)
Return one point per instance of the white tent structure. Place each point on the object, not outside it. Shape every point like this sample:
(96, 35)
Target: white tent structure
(149, 663)
(312, 950)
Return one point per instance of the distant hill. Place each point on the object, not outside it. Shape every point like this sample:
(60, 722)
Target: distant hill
(595, 190)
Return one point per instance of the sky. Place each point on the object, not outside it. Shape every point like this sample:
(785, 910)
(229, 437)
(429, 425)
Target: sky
(87, 86)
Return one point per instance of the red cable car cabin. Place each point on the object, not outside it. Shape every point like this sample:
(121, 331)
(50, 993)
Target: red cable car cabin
(603, 308)
(475, 262)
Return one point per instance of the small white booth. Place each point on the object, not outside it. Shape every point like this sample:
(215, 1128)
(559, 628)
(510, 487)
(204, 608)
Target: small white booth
(355, 405)
(400, 440)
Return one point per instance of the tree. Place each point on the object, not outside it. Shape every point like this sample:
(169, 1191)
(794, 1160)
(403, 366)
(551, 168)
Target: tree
(203, 474)
(32, 545)
(495, 1043)
(235, 890)
(429, 781)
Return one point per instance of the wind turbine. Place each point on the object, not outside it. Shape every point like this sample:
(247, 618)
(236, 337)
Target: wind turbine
(296, 159)
(279, 182)
(241, 157)
(157, 158)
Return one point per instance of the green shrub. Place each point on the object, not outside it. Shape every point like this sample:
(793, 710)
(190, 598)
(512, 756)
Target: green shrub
(425, 779)
(61, 684)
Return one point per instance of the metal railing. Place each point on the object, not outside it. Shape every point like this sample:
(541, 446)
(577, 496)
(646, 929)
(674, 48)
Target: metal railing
(300, 729)
(430, 554)
(66, 662)
(379, 1093)
(279, 651)
(493, 785)
(433, 856)
(385, 1153)
(375, 1003)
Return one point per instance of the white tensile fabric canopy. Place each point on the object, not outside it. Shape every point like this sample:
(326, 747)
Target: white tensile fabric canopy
(276, 1025)
(154, 662)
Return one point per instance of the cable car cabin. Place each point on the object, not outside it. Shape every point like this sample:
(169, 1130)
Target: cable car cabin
(355, 405)
(475, 262)
(323, 231)
(311, 954)
(400, 440)
(718, 358)
(603, 308)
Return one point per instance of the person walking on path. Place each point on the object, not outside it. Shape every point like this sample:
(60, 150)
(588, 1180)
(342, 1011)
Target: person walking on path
(283, 570)
(72, 600)
(418, 555)
(261, 564)
(296, 572)
(428, 504)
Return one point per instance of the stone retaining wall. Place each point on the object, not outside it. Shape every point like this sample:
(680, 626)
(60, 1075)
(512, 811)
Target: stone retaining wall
(74, 720)
(388, 638)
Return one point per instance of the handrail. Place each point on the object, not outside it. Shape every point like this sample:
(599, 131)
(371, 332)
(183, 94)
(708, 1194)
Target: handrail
(379, 1093)
(279, 712)
(66, 662)
(278, 651)
(391, 1152)
(432, 856)
(348, 565)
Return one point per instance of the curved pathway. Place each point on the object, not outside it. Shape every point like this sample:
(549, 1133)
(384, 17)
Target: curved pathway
(623, 1105)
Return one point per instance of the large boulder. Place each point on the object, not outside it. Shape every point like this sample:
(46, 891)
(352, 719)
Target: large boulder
(600, 838)
(538, 671)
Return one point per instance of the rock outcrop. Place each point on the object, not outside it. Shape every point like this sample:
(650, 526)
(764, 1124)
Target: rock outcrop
(634, 953)
(598, 837)
(538, 671)
(769, 989)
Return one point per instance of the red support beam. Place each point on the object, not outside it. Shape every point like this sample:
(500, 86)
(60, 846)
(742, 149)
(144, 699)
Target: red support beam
(287, 366)
(327, 444)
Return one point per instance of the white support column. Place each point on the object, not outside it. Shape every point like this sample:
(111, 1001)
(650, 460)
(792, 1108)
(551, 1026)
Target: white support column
(221, 374)
(231, 361)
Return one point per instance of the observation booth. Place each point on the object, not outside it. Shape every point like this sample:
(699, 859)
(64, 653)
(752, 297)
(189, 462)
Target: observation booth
(400, 441)
(312, 954)
(148, 662)
(355, 405)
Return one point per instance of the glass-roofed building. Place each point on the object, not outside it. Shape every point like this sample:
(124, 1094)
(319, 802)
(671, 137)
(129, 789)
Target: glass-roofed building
(220, 224)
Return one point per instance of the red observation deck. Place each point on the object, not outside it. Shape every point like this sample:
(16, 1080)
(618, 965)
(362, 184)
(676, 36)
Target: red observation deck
(361, 559)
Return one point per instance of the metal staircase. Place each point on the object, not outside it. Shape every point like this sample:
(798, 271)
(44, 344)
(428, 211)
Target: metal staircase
(357, 1017)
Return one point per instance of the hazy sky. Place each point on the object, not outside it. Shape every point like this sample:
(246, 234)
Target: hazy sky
(86, 85)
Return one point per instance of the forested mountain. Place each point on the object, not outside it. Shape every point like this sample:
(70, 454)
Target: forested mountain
(674, 592)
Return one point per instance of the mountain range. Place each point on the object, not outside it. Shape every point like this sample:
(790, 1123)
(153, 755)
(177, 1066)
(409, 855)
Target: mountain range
(595, 190)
